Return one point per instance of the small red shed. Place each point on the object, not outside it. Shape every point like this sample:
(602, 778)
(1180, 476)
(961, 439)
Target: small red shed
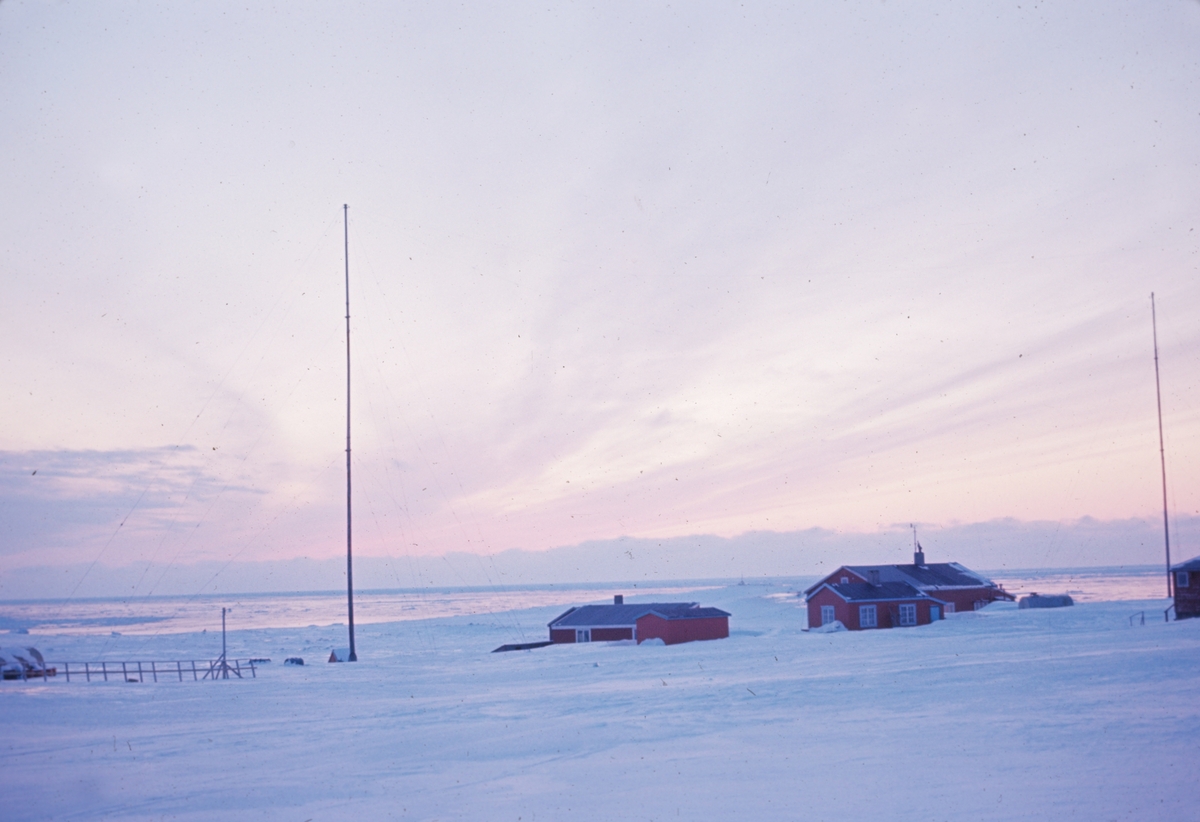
(672, 622)
(1186, 583)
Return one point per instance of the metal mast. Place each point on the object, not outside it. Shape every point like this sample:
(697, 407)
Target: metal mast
(1162, 452)
(349, 563)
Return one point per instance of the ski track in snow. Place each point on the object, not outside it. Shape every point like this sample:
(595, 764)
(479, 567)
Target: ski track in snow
(998, 715)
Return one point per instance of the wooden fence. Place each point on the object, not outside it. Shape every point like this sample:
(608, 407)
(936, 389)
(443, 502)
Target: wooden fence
(141, 671)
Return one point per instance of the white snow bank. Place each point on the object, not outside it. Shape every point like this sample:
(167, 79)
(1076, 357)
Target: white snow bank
(828, 628)
(1050, 714)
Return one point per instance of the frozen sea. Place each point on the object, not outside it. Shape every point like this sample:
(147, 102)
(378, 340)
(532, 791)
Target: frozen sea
(1075, 713)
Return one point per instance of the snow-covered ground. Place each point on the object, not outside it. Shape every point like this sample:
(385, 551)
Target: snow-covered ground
(1002, 714)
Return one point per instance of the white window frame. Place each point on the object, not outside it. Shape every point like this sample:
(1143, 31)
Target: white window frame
(868, 617)
(1182, 580)
(908, 614)
(828, 615)
(583, 635)
(949, 607)
(845, 580)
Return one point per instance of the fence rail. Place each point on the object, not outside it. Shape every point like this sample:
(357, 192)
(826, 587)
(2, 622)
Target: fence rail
(152, 670)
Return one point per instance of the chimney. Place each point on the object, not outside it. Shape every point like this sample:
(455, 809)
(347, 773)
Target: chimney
(618, 599)
(874, 575)
(919, 557)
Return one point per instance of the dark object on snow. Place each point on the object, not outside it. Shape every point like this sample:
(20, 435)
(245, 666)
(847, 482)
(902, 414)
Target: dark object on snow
(522, 646)
(260, 660)
(293, 660)
(1186, 579)
(1045, 601)
(24, 663)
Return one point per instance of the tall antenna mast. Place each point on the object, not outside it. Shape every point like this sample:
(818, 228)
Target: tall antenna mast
(349, 563)
(1162, 451)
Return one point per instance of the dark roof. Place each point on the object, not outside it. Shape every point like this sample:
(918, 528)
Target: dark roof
(931, 576)
(866, 592)
(588, 615)
(1191, 565)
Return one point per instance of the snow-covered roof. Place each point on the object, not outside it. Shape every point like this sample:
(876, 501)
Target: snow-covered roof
(620, 615)
(1192, 564)
(929, 577)
(866, 592)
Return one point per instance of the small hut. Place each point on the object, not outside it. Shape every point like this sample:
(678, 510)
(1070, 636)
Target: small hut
(1187, 588)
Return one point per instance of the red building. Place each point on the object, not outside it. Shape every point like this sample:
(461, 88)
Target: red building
(888, 596)
(672, 622)
(1187, 588)
(861, 605)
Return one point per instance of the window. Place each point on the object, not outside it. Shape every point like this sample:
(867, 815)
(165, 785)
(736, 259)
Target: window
(827, 615)
(583, 636)
(949, 607)
(908, 614)
(980, 604)
(1181, 579)
(845, 580)
(866, 616)
(935, 613)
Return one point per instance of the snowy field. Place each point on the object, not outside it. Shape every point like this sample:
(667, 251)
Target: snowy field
(1001, 714)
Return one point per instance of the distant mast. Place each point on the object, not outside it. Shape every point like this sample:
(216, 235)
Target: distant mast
(349, 564)
(1162, 451)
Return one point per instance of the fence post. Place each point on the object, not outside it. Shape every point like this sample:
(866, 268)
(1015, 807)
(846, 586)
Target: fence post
(87, 671)
(179, 665)
(140, 677)
(104, 667)
(67, 670)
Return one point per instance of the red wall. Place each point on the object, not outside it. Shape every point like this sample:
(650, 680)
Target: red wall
(598, 634)
(965, 598)
(611, 634)
(847, 612)
(674, 631)
(840, 609)
(1187, 600)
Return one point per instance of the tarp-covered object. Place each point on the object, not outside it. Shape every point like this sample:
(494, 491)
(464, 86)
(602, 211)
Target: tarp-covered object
(1045, 601)
(23, 663)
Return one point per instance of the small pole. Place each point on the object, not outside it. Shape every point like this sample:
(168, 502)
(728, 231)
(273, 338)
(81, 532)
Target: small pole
(349, 564)
(224, 664)
(1162, 451)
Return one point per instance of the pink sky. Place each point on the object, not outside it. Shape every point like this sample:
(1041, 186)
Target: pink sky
(635, 271)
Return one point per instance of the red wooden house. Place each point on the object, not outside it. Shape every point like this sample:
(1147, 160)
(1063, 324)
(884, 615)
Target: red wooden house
(888, 596)
(1187, 588)
(672, 622)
